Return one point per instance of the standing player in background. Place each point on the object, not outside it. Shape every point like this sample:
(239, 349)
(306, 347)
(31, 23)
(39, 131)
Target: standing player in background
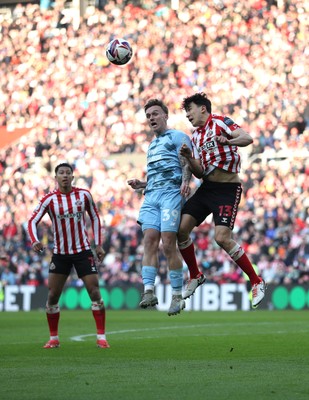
(217, 161)
(66, 208)
(168, 177)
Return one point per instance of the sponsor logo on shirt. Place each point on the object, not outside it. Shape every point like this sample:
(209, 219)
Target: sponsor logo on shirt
(208, 146)
(228, 121)
(77, 215)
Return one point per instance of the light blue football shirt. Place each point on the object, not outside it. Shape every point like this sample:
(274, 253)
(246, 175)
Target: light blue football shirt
(163, 165)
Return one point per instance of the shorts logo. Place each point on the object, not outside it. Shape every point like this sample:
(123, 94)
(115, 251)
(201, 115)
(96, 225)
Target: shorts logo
(93, 269)
(224, 220)
(52, 266)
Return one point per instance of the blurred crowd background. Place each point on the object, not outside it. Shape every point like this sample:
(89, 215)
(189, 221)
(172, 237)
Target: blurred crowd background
(250, 57)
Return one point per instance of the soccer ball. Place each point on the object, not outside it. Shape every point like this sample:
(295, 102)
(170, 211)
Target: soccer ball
(119, 52)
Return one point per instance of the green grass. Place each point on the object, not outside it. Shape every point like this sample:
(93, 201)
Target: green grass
(195, 355)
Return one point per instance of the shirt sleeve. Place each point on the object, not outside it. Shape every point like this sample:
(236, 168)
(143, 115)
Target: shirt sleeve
(195, 152)
(183, 139)
(95, 219)
(36, 217)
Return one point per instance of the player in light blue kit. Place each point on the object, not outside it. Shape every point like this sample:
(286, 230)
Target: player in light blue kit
(168, 178)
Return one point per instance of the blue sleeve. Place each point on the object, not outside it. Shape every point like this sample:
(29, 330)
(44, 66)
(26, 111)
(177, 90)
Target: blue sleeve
(182, 138)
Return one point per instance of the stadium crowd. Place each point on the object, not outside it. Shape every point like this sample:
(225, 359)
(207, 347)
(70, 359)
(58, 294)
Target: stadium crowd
(250, 57)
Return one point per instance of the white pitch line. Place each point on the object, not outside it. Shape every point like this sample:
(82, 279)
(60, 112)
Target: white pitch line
(80, 338)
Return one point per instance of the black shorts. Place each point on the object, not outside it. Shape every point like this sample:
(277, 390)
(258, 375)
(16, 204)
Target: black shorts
(217, 198)
(83, 263)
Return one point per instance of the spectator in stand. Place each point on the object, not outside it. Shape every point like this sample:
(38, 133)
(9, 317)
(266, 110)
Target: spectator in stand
(7, 277)
(48, 72)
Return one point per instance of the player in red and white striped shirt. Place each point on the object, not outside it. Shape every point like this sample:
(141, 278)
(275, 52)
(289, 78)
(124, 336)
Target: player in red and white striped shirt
(66, 208)
(216, 160)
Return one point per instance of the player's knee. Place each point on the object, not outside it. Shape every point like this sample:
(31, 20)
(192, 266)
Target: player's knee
(168, 248)
(183, 234)
(151, 244)
(53, 298)
(94, 293)
(169, 243)
(222, 240)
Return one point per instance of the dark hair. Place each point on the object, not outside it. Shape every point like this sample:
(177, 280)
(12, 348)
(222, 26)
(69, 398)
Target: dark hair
(63, 165)
(199, 99)
(156, 102)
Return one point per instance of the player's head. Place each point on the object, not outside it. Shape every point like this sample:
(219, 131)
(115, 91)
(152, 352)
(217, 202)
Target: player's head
(200, 99)
(64, 177)
(198, 108)
(156, 102)
(157, 115)
(63, 165)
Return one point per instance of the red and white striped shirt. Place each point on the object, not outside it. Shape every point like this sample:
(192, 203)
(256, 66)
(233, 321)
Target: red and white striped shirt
(67, 213)
(211, 153)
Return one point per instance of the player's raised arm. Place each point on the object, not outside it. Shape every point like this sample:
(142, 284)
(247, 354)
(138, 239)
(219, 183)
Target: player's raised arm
(185, 189)
(239, 138)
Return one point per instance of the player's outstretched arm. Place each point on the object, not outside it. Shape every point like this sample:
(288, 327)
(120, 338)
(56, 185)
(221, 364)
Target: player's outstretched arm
(136, 184)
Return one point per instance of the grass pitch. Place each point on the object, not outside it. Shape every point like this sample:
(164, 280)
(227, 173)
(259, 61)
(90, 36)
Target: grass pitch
(191, 356)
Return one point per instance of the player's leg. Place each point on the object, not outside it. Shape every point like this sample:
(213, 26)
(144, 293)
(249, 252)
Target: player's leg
(223, 237)
(149, 219)
(193, 214)
(150, 267)
(225, 211)
(56, 283)
(185, 244)
(171, 204)
(175, 271)
(98, 308)
(86, 269)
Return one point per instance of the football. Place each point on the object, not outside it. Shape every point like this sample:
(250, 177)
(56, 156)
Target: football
(119, 52)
